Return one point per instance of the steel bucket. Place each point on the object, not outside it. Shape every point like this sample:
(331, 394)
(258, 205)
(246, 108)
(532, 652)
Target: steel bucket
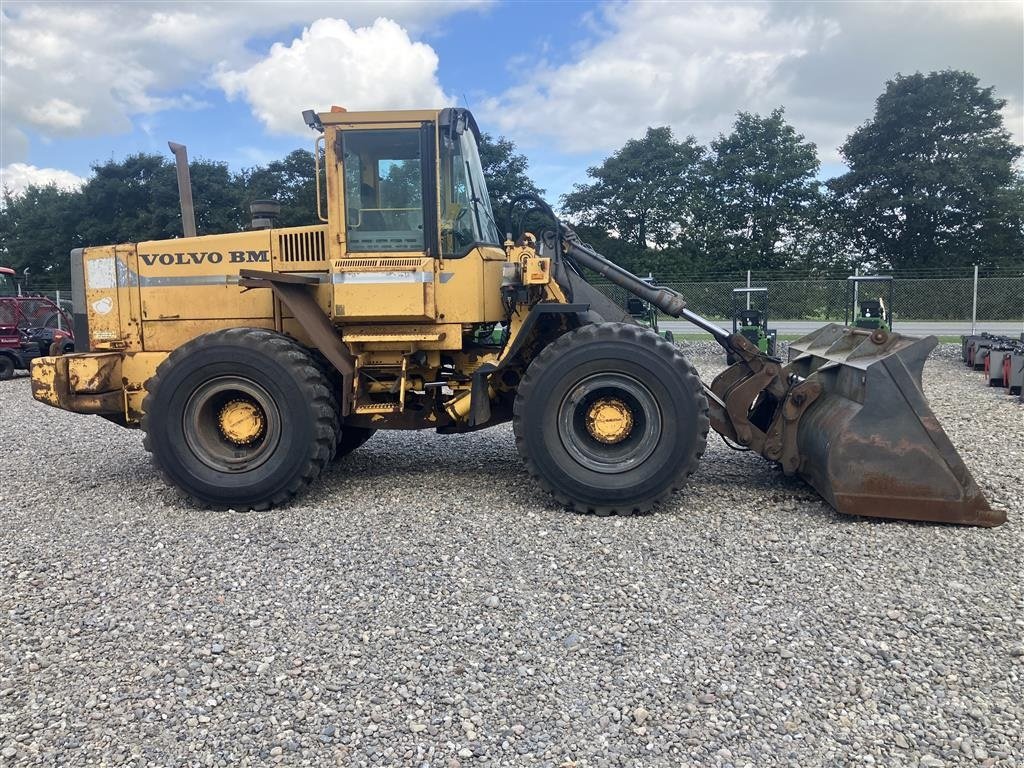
(870, 444)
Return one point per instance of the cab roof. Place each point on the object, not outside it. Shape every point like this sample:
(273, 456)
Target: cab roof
(445, 117)
(388, 116)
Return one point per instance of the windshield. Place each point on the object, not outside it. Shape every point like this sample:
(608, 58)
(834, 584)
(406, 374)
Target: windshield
(466, 216)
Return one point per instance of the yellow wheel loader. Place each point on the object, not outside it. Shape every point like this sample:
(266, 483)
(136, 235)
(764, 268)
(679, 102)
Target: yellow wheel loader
(252, 359)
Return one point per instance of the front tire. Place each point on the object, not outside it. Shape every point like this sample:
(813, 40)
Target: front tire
(611, 418)
(6, 368)
(240, 418)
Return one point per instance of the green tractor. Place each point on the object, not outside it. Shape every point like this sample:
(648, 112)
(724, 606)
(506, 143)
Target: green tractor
(872, 313)
(752, 322)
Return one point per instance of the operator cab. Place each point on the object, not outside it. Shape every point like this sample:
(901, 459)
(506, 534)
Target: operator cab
(413, 184)
(751, 318)
(7, 286)
(872, 314)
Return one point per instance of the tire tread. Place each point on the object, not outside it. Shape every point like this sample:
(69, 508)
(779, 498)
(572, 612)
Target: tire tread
(623, 332)
(311, 379)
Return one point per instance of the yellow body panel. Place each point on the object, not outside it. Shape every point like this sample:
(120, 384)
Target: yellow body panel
(205, 269)
(106, 282)
(469, 290)
(384, 286)
(109, 383)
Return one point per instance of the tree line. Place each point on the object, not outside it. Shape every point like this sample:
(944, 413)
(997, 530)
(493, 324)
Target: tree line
(931, 184)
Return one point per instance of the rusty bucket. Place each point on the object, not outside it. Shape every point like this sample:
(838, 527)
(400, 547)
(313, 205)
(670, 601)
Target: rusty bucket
(870, 444)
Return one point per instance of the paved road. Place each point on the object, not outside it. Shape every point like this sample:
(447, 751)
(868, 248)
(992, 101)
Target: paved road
(911, 328)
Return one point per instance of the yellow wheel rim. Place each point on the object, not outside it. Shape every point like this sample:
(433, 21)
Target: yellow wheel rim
(609, 420)
(241, 422)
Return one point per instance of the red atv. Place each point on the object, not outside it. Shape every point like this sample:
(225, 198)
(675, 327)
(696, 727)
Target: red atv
(31, 326)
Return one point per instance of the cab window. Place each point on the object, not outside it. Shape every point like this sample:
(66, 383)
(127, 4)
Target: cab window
(383, 190)
(466, 216)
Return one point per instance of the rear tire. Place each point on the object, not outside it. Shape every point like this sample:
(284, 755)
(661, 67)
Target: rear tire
(611, 418)
(240, 418)
(6, 368)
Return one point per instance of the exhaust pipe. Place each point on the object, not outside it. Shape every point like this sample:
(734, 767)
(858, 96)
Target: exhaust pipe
(264, 213)
(188, 212)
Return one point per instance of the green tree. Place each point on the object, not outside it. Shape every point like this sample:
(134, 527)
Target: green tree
(643, 192)
(38, 229)
(1003, 229)
(124, 201)
(218, 197)
(291, 181)
(130, 200)
(136, 199)
(928, 178)
(762, 176)
(506, 174)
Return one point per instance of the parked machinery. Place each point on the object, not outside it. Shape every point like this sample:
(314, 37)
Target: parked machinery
(1013, 370)
(752, 322)
(250, 359)
(646, 313)
(1000, 357)
(994, 367)
(31, 327)
(976, 349)
(870, 313)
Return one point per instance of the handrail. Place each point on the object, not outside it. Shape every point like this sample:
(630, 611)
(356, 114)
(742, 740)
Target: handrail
(316, 162)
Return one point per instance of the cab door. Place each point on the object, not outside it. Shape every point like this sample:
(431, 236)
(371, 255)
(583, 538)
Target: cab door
(387, 267)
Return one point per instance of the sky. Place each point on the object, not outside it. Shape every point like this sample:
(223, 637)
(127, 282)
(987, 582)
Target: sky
(568, 82)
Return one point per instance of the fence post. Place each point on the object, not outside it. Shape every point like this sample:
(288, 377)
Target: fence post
(974, 303)
(60, 319)
(856, 296)
(748, 292)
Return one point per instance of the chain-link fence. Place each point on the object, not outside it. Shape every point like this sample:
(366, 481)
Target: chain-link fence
(943, 297)
(59, 294)
(959, 298)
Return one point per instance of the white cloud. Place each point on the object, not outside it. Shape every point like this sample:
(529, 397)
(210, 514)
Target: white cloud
(688, 65)
(374, 67)
(102, 64)
(57, 113)
(17, 177)
(694, 65)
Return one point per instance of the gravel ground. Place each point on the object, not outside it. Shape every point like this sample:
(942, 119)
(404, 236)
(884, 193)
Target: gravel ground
(425, 604)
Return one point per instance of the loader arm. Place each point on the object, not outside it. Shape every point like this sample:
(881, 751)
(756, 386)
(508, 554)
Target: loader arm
(847, 412)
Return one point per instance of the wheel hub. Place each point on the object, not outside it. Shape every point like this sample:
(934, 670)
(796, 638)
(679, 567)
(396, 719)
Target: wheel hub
(609, 420)
(241, 422)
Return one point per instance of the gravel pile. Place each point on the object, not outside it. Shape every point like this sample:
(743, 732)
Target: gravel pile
(427, 605)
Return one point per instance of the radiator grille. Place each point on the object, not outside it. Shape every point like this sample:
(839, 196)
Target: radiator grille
(302, 246)
(378, 263)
